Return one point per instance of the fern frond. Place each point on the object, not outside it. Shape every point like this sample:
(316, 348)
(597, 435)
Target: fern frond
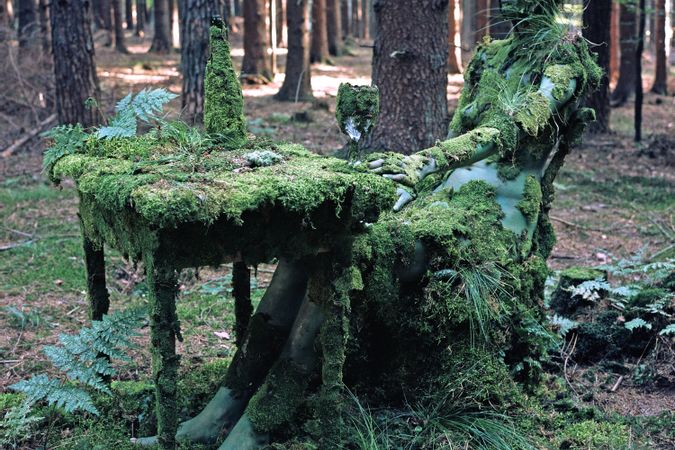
(83, 358)
(148, 103)
(67, 139)
(122, 125)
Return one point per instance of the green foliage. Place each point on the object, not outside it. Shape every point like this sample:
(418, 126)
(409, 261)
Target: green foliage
(67, 140)
(85, 361)
(482, 287)
(433, 426)
(144, 106)
(590, 434)
(17, 425)
(637, 323)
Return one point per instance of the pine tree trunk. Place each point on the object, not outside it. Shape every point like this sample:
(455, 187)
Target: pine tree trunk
(334, 27)
(625, 86)
(171, 12)
(661, 77)
(499, 28)
(482, 20)
(119, 26)
(365, 18)
(467, 25)
(256, 66)
(28, 25)
(129, 11)
(74, 69)
(104, 20)
(4, 21)
(161, 41)
(410, 60)
(43, 14)
(194, 49)
(615, 48)
(597, 14)
(319, 39)
(281, 23)
(298, 81)
(638, 71)
(356, 18)
(140, 18)
(454, 43)
(346, 17)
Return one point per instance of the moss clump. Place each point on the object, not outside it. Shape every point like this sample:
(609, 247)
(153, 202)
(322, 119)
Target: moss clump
(361, 105)
(530, 205)
(223, 100)
(596, 435)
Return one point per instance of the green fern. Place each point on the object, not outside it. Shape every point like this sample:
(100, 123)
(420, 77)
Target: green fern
(145, 106)
(84, 358)
(67, 139)
(17, 426)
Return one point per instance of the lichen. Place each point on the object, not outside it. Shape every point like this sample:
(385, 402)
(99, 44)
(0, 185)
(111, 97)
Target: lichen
(223, 99)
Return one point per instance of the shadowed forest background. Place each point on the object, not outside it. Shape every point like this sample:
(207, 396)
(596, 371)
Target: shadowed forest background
(614, 206)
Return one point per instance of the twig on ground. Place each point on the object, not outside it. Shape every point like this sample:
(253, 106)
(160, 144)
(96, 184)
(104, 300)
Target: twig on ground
(15, 245)
(567, 358)
(576, 225)
(28, 136)
(616, 385)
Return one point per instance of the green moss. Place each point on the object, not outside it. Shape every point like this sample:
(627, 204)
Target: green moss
(277, 400)
(223, 100)
(530, 205)
(8, 401)
(361, 104)
(561, 77)
(595, 435)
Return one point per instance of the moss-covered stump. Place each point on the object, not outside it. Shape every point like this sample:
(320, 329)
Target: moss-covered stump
(563, 300)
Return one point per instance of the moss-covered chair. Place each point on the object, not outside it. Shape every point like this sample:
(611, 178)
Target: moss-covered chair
(441, 297)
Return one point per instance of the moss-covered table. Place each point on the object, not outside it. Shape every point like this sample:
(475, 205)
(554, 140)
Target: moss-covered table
(172, 210)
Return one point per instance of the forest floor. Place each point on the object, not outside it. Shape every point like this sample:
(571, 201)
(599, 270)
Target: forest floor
(614, 199)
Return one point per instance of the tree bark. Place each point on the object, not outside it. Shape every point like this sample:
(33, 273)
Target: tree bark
(256, 66)
(454, 42)
(281, 23)
(615, 49)
(194, 50)
(129, 11)
(334, 27)
(297, 83)
(28, 25)
(43, 14)
(365, 18)
(74, 68)
(140, 18)
(660, 85)
(4, 21)
(346, 17)
(625, 86)
(356, 18)
(103, 20)
(170, 14)
(410, 60)
(319, 46)
(161, 41)
(498, 27)
(119, 26)
(597, 14)
(638, 71)
(482, 20)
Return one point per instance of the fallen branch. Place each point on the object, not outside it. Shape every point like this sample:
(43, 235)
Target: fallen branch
(28, 136)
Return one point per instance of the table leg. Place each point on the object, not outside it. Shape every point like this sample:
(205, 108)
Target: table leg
(333, 339)
(164, 328)
(243, 308)
(97, 291)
